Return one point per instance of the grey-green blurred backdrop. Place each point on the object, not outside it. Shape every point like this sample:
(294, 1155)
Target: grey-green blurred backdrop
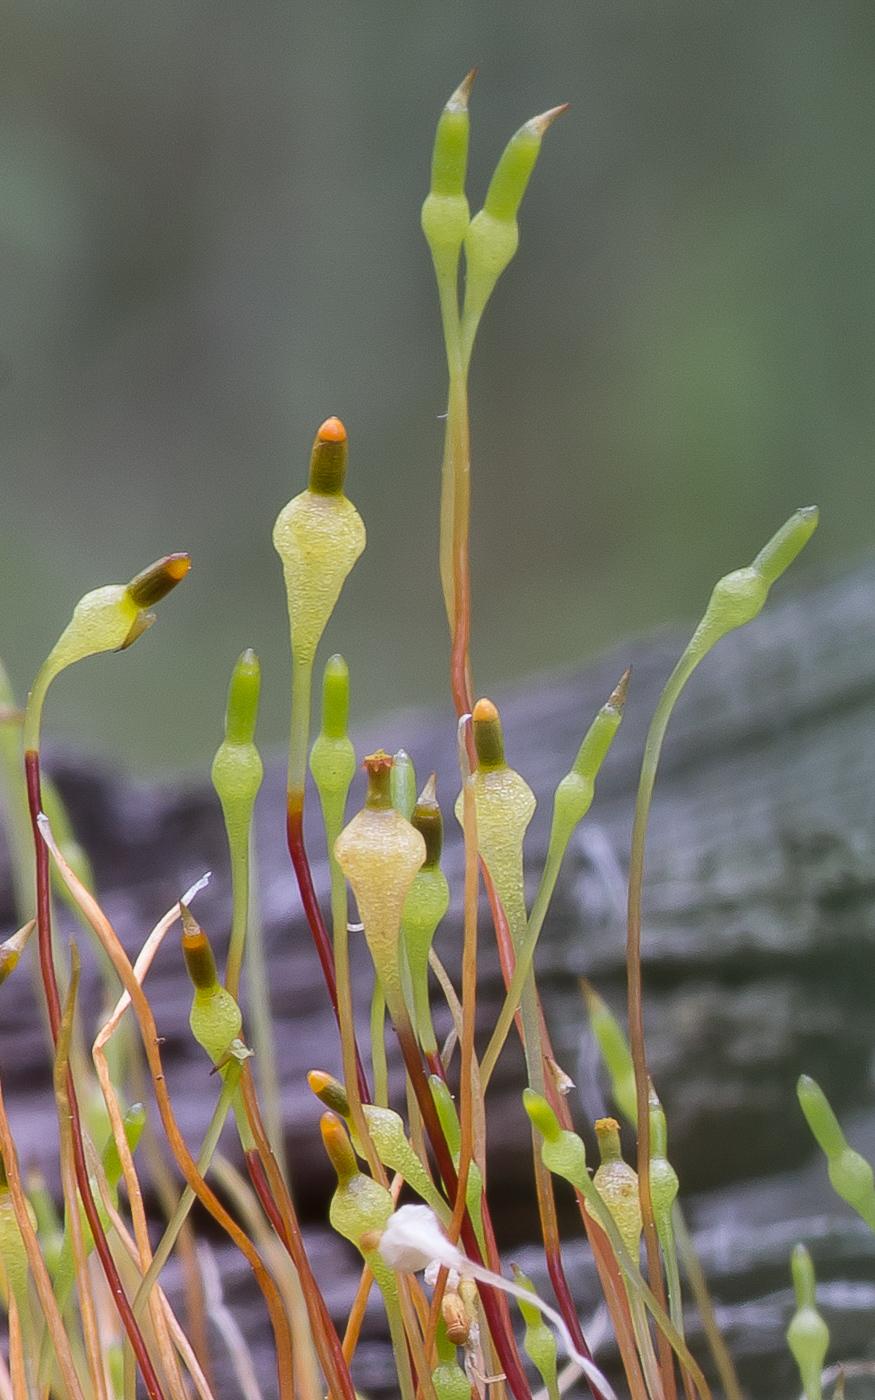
(210, 242)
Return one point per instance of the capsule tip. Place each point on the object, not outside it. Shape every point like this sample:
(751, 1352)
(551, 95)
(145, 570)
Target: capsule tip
(379, 762)
(540, 123)
(177, 565)
(459, 100)
(332, 430)
(617, 700)
(484, 712)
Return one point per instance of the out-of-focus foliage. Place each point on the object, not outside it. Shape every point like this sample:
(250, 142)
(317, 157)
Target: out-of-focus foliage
(209, 242)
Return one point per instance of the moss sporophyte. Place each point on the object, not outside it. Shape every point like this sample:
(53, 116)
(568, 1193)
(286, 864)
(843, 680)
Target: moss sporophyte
(87, 1316)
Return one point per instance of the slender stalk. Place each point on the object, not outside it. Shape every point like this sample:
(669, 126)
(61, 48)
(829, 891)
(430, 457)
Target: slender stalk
(151, 1044)
(460, 663)
(261, 1024)
(44, 931)
(650, 762)
(357, 1313)
(271, 1190)
(297, 851)
(186, 1200)
(699, 1288)
(302, 686)
(378, 1045)
(62, 1079)
(42, 1281)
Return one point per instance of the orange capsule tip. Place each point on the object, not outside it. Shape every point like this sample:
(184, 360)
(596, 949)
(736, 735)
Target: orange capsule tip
(319, 1080)
(484, 711)
(379, 762)
(332, 430)
(607, 1125)
(177, 565)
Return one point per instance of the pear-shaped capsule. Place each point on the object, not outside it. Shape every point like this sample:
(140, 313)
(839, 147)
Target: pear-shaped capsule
(379, 852)
(319, 536)
(617, 1184)
(505, 804)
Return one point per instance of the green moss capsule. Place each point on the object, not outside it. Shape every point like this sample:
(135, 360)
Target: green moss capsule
(807, 1334)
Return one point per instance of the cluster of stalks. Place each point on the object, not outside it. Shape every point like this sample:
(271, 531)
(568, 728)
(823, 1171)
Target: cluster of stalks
(82, 1289)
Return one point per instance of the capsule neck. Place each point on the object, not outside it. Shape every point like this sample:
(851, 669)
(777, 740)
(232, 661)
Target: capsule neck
(378, 767)
(608, 1134)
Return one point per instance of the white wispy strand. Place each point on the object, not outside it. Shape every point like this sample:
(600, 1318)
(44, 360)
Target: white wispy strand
(413, 1239)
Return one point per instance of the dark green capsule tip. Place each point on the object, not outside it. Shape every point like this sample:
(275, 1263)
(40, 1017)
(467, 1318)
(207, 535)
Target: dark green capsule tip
(243, 696)
(329, 1091)
(488, 738)
(427, 820)
(154, 583)
(328, 459)
(198, 954)
(378, 767)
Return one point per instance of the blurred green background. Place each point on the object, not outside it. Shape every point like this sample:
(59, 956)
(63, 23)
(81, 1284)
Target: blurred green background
(209, 242)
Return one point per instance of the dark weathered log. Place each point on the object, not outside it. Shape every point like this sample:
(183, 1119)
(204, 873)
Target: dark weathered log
(759, 941)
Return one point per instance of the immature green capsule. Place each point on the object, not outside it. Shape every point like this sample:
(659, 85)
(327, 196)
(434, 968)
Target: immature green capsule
(445, 213)
(562, 1152)
(614, 1049)
(332, 757)
(539, 1342)
(849, 1172)
(426, 904)
(237, 768)
(493, 235)
(361, 1207)
(215, 1017)
(664, 1184)
(575, 792)
(807, 1334)
(739, 597)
